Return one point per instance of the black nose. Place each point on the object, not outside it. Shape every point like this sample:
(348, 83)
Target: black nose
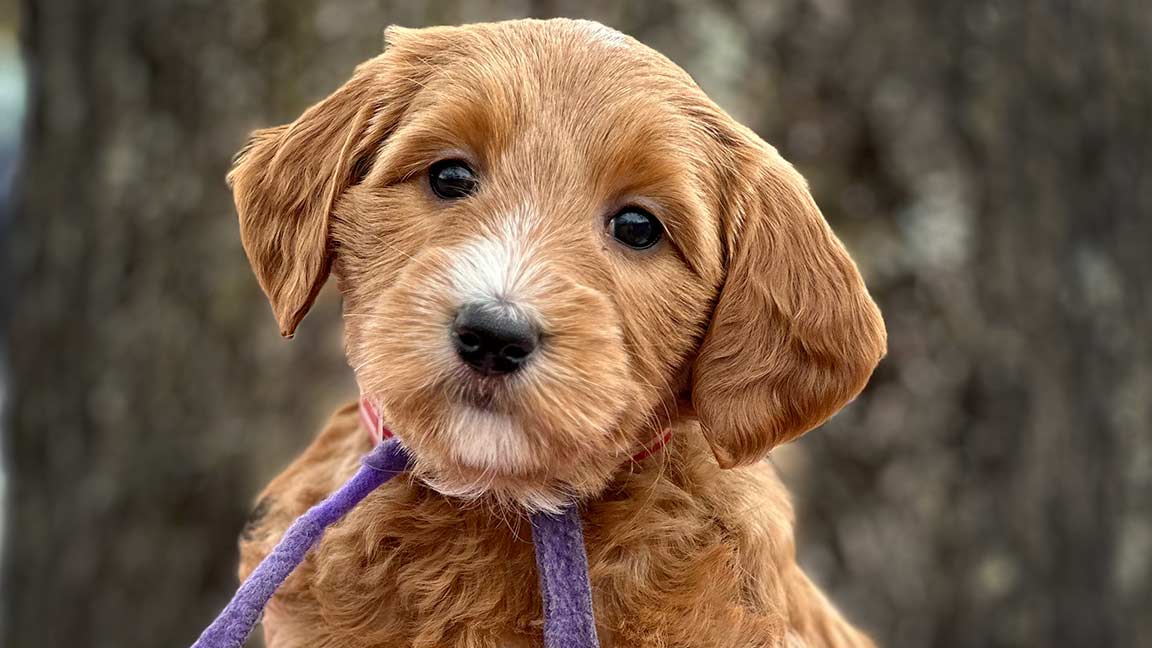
(493, 341)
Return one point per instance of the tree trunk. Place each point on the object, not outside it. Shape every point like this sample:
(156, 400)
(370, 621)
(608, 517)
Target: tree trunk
(989, 162)
(150, 394)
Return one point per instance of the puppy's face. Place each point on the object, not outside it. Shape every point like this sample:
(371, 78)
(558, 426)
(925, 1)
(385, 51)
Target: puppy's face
(550, 243)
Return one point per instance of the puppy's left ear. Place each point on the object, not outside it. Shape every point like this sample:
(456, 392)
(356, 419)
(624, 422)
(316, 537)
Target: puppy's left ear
(287, 179)
(794, 335)
(285, 182)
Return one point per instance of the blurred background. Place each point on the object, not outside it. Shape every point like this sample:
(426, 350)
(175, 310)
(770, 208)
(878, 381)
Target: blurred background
(988, 163)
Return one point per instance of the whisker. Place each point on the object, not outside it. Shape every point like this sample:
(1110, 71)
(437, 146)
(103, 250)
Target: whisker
(392, 247)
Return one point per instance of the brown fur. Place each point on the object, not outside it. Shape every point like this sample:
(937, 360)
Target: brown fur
(746, 327)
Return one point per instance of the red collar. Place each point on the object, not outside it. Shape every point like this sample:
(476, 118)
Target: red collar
(372, 422)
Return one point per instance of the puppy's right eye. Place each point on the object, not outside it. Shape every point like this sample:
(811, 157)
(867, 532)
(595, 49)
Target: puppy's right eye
(636, 228)
(452, 179)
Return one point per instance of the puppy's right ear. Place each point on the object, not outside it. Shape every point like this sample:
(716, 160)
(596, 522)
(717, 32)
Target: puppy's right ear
(287, 179)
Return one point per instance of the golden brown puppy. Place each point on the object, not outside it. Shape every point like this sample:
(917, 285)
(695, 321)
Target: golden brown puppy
(552, 248)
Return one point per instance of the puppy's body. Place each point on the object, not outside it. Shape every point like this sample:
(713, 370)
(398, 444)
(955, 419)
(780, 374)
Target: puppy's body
(682, 555)
(551, 247)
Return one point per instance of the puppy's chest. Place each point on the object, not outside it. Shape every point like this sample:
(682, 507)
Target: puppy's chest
(410, 569)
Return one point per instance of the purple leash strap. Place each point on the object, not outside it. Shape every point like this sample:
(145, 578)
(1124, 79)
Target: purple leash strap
(560, 559)
(563, 566)
(232, 627)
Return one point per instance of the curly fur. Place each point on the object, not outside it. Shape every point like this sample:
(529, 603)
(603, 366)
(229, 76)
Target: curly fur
(682, 554)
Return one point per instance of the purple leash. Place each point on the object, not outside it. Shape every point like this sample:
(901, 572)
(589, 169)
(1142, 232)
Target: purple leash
(563, 566)
(560, 559)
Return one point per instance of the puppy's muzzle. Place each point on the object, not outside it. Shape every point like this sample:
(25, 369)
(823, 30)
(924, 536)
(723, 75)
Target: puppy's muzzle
(493, 340)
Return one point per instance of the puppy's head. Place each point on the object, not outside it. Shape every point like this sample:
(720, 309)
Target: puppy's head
(550, 243)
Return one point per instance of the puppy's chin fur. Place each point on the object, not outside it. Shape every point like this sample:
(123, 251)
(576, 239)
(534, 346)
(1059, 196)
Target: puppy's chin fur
(489, 458)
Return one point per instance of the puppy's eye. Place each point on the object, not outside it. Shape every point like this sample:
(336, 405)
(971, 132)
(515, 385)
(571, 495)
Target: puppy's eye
(452, 179)
(636, 228)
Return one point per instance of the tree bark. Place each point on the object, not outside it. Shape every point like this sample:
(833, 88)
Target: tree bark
(989, 163)
(150, 394)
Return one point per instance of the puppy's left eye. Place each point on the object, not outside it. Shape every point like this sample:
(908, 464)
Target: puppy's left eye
(636, 228)
(452, 179)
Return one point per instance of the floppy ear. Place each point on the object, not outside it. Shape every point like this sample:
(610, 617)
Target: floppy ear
(794, 335)
(286, 180)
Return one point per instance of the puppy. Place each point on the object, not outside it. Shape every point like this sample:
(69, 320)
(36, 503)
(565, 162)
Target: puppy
(567, 276)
